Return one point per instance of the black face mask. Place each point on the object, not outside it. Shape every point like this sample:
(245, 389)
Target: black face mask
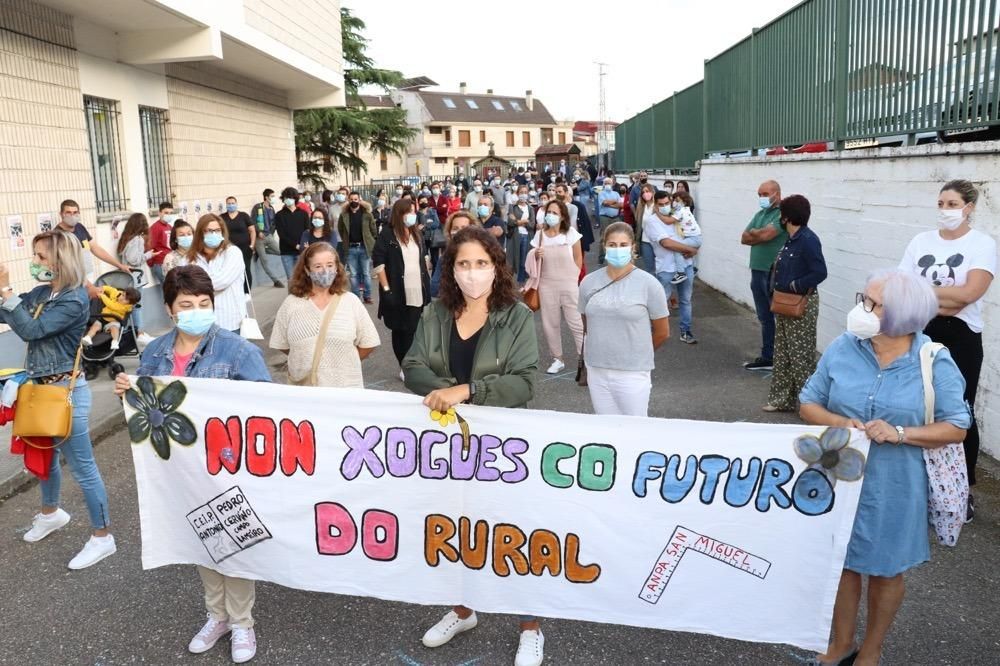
(355, 204)
(423, 205)
(642, 181)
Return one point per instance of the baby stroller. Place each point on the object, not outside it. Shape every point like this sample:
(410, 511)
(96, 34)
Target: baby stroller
(100, 354)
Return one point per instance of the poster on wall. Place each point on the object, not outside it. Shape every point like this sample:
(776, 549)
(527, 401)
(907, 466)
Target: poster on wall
(184, 209)
(208, 206)
(44, 222)
(15, 230)
(197, 208)
(728, 529)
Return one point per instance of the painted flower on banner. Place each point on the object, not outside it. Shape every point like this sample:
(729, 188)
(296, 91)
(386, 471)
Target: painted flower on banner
(829, 453)
(156, 417)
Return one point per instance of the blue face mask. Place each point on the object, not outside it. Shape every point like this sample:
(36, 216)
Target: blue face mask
(340, 198)
(184, 242)
(410, 219)
(618, 256)
(664, 210)
(484, 211)
(230, 208)
(380, 202)
(764, 202)
(318, 222)
(195, 322)
(551, 219)
(289, 202)
(213, 239)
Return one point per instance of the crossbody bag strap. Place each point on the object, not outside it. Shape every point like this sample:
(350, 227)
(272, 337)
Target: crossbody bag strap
(331, 308)
(76, 371)
(927, 353)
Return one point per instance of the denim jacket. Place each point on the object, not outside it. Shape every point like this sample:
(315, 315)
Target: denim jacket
(55, 336)
(220, 355)
(800, 266)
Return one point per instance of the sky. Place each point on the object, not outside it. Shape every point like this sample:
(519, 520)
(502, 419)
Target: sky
(550, 47)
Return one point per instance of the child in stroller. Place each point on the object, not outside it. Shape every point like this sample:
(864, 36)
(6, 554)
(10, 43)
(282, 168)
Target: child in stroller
(112, 307)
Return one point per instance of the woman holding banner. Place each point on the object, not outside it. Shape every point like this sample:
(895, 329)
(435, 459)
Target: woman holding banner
(870, 378)
(198, 347)
(478, 310)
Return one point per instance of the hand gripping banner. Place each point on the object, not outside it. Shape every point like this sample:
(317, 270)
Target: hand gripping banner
(731, 529)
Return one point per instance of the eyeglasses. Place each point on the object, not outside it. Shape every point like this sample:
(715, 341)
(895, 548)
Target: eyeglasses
(866, 302)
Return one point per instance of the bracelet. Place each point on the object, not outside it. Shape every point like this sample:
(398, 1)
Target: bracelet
(900, 435)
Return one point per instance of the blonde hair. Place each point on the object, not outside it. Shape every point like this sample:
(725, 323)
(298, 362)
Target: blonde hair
(65, 257)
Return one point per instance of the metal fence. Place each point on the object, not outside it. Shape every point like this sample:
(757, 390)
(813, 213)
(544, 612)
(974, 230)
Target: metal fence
(831, 71)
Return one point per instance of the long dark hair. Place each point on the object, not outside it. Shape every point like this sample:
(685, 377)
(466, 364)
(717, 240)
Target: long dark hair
(504, 293)
(327, 227)
(399, 210)
(179, 224)
(137, 225)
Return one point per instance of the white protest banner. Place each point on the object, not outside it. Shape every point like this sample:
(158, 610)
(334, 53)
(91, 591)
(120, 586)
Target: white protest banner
(715, 528)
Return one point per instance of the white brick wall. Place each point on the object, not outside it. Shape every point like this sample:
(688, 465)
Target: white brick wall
(226, 136)
(866, 206)
(43, 139)
(311, 27)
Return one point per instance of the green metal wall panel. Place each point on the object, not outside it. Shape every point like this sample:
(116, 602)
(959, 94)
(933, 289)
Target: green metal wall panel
(689, 131)
(831, 70)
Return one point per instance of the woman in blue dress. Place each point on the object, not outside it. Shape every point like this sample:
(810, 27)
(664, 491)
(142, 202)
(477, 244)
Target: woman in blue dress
(869, 378)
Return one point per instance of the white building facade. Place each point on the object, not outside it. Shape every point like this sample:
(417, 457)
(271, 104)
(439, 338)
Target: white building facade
(122, 104)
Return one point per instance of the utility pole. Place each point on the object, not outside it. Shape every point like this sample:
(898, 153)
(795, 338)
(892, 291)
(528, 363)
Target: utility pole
(602, 112)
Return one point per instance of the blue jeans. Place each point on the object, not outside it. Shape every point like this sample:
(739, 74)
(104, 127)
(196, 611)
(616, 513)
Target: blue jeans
(288, 261)
(522, 271)
(157, 272)
(683, 291)
(648, 258)
(79, 454)
(357, 264)
(760, 286)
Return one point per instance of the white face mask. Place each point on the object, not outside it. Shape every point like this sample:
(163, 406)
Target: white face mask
(951, 219)
(863, 324)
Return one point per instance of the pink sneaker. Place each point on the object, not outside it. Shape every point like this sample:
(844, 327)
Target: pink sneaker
(209, 635)
(243, 645)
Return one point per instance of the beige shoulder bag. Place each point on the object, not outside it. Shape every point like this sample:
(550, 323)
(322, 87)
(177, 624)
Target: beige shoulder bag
(311, 379)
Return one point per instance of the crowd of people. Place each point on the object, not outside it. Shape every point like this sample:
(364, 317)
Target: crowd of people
(453, 263)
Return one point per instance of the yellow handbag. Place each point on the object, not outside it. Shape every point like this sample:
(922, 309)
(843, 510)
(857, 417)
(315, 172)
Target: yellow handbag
(44, 410)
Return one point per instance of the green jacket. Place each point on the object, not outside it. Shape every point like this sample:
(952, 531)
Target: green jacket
(368, 229)
(504, 366)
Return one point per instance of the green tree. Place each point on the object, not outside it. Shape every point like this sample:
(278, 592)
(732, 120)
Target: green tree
(329, 140)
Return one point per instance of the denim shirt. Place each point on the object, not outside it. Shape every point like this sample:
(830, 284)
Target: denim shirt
(800, 265)
(220, 355)
(55, 336)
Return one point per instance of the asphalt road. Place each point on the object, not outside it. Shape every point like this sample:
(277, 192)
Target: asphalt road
(116, 613)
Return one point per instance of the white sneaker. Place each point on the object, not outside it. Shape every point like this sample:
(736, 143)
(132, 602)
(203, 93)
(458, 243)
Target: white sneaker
(208, 636)
(43, 525)
(87, 341)
(115, 343)
(95, 550)
(449, 626)
(243, 645)
(143, 339)
(530, 649)
(556, 367)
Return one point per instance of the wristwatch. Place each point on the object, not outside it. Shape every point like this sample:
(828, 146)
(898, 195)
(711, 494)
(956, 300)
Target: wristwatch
(901, 434)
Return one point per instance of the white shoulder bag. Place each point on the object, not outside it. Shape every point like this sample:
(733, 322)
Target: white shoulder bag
(947, 478)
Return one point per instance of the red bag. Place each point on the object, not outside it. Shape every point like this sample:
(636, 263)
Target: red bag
(36, 460)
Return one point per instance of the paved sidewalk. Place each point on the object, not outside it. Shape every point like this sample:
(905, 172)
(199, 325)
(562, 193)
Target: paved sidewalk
(116, 613)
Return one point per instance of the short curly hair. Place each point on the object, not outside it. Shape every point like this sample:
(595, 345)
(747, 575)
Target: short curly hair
(300, 284)
(504, 292)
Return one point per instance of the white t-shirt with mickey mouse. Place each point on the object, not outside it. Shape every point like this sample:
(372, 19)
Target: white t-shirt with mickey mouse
(946, 263)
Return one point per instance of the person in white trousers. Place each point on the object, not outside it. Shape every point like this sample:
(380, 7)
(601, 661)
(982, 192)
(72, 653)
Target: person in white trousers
(625, 319)
(558, 246)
